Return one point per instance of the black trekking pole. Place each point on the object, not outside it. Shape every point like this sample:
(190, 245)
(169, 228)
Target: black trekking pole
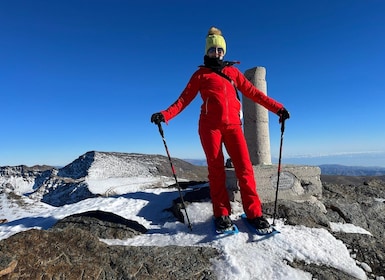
(173, 173)
(279, 170)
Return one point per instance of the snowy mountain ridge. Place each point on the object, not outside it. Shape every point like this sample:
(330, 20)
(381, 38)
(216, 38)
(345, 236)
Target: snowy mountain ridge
(95, 173)
(102, 165)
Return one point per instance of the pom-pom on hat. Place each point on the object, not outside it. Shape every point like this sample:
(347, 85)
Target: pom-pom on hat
(214, 38)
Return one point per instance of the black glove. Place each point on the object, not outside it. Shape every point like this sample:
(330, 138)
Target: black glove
(283, 114)
(157, 118)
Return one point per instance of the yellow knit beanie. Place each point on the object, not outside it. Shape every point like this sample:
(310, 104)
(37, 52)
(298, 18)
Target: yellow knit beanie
(215, 39)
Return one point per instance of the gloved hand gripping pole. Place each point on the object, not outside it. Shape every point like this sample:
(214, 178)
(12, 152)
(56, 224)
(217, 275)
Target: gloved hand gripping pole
(174, 174)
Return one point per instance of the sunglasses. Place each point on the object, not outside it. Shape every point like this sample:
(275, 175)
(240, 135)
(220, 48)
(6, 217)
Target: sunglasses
(214, 50)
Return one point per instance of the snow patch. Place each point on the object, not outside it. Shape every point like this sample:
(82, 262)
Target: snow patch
(348, 228)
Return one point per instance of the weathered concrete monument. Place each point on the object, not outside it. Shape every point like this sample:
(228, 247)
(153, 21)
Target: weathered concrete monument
(296, 182)
(256, 121)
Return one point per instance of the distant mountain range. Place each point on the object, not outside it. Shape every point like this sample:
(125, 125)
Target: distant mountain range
(336, 169)
(328, 169)
(151, 164)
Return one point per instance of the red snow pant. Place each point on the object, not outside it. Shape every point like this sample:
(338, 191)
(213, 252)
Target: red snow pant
(234, 141)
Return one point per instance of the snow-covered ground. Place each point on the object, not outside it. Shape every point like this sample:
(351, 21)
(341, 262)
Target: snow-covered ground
(245, 256)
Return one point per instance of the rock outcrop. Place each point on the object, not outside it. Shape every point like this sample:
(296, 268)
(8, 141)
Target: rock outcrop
(71, 249)
(72, 253)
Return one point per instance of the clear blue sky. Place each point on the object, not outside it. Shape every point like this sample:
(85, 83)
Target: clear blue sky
(79, 75)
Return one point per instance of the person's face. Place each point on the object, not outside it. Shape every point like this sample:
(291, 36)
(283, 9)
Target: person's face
(215, 52)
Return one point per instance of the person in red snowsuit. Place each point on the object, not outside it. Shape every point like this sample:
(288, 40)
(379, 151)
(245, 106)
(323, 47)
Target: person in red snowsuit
(220, 123)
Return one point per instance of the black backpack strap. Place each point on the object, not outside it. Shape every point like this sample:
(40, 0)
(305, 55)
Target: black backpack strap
(220, 73)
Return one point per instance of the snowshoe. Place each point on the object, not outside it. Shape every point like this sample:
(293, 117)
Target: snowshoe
(224, 225)
(260, 225)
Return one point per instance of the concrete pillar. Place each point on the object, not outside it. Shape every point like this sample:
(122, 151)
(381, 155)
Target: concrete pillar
(256, 121)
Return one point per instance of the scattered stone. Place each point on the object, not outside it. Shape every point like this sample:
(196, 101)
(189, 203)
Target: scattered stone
(102, 224)
(7, 263)
(298, 213)
(366, 249)
(321, 272)
(366, 267)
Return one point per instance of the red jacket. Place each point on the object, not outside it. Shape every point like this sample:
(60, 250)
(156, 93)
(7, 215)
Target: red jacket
(220, 103)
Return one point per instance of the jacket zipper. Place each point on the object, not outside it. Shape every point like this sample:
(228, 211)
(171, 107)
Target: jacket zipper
(227, 103)
(207, 105)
